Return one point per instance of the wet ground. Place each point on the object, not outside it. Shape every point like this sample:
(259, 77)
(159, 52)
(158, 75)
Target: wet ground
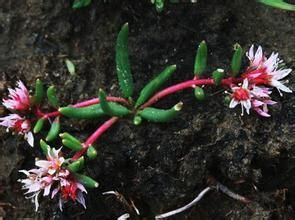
(159, 167)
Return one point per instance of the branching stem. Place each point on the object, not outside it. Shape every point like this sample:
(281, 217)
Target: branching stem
(81, 104)
(186, 85)
(92, 138)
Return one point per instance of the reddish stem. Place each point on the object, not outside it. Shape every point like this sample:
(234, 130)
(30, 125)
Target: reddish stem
(89, 102)
(96, 101)
(186, 85)
(105, 126)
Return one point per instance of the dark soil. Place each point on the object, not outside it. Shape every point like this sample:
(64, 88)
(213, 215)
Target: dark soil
(159, 166)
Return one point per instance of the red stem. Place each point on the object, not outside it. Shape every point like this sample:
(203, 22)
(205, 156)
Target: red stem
(89, 102)
(186, 85)
(96, 101)
(105, 126)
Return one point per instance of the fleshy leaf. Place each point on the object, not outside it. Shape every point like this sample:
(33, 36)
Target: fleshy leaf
(155, 84)
(52, 97)
(86, 181)
(54, 130)
(160, 115)
(122, 62)
(89, 112)
(236, 60)
(278, 4)
(201, 59)
(111, 108)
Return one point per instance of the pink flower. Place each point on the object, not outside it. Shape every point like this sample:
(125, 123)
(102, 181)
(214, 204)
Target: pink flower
(53, 163)
(73, 190)
(260, 100)
(19, 98)
(251, 96)
(20, 125)
(241, 95)
(52, 178)
(261, 106)
(35, 182)
(263, 70)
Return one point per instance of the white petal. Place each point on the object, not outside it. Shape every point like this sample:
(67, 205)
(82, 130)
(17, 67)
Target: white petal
(54, 192)
(257, 103)
(36, 186)
(247, 105)
(258, 56)
(43, 163)
(250, 53)
(262, 113)
(271, 63)
(80, 198)
(47, 190)
(270, 102)
(245, 84)
(25, 172)
(233, 103)
(30, 138)
(280, 86)
(81, 187)
(280, 74)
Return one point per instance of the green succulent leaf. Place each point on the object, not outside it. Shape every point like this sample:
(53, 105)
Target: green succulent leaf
(39, 125)
(217, 76)
(86, 180)
(76, 165)
(45, 147)
(122, 62)
(137, 120)
(236, 60)
(72, 145)
(111, 108)
(201, 59)
(160, 115)
(52, 97)
(81, 3)
(69, 137)
(54, 130)
(91, 153)
(89, 112)
(278, 4)
(159, 4)
(155, 84)
(199, 93)
(39, 92)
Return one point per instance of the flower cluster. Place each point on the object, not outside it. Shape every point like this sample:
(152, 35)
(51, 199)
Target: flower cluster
(52, 178)
(253, 93)
(19, 103)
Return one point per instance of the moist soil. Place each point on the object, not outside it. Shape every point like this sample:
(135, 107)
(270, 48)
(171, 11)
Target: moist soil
(159, 167)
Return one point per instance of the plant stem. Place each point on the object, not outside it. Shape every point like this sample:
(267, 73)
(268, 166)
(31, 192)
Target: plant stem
(101, 129)
(85, 103)
(96, 101)
(186, 85)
